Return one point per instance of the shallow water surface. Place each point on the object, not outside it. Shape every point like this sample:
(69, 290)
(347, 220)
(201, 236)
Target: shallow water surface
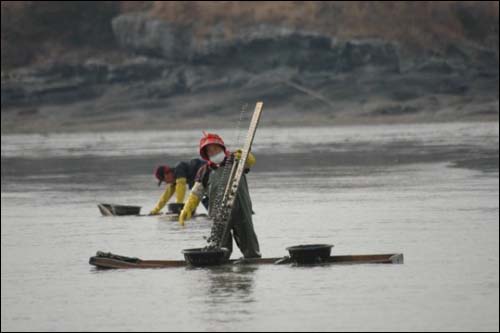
(429, 191)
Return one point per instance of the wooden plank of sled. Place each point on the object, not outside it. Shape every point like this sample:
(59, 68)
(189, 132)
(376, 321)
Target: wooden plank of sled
(175, 217)
(394, 258)
(100, 262)
(169, 217)
(105, 209)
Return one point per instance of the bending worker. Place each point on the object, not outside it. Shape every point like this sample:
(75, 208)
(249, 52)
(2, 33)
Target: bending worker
(176, 179)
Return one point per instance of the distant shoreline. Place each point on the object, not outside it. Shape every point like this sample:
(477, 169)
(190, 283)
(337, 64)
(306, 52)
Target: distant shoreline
(22, 125)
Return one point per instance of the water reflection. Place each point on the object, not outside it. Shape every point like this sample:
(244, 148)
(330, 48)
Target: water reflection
(230, 283)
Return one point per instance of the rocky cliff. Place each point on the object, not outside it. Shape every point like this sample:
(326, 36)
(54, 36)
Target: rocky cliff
(168, 78)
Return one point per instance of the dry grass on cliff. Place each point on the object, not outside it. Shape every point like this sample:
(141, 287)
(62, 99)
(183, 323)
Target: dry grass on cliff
(417, 24)
(37, 30)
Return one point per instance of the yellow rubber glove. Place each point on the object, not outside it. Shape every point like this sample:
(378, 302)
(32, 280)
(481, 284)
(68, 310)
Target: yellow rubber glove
(250, 160)
(169, 191)
(189, 207)
(180, 189)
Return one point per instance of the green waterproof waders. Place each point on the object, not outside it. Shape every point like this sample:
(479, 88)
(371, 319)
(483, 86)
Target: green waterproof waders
(240, 223)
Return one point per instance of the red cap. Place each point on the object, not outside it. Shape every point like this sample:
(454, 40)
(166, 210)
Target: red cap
(209, 139)
(163, 173)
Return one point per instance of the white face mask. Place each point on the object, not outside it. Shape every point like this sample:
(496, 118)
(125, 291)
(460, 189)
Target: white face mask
(218, 158)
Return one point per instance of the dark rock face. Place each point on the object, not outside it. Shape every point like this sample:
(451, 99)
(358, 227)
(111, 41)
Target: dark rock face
(256, 49)
(152, 37)
(65, 83)
(298, 73)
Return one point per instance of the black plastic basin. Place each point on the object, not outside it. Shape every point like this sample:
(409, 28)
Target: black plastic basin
(206, 257)
(175, 208)
(310, 254)
(119, 210)
(126, 210)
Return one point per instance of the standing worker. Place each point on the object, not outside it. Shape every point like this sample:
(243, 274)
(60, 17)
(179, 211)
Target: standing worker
(208, 180)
